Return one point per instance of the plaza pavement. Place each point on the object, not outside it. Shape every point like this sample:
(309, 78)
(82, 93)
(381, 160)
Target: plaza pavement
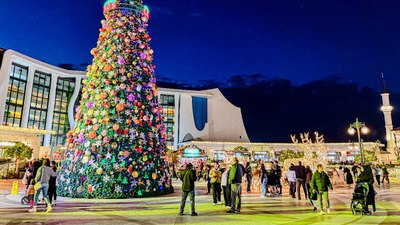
(164, 210)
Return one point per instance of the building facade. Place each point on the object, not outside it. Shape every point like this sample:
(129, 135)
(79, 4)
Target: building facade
(41, 97)
(38, 102)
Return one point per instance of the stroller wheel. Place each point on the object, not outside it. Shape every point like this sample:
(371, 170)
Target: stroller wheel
(24, 200)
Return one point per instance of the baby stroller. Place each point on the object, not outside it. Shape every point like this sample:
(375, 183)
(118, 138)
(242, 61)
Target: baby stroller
(359, 201)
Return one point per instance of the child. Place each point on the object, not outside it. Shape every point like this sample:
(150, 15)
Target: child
(31, 193)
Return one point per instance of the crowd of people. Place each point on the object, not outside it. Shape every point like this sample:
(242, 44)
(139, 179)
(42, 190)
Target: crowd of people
(301, 180)
(41, 178)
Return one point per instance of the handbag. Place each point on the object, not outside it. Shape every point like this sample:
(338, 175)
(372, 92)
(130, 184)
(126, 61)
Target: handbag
(38, 184)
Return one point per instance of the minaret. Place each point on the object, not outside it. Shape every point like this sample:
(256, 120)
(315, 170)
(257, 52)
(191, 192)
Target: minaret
(387, 109)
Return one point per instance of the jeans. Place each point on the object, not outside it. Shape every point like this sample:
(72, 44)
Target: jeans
(292, 189)
(216, 192)
(326, 197)
(227, 195)
(236, 196)
(184, 197)
(264, 187)
(44, 189)
(301, 182)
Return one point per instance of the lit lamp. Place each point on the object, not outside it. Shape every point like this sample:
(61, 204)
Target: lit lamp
(359, 128)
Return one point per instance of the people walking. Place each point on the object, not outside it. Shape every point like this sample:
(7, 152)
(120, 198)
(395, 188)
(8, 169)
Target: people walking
(52, 192)
(313, 197)
(272, 179)
(42, 184)
(235, 179)
(226, 187)
(249, 176)
(349, 177)
(300, 180)
(263, 180)
(215, 180)
(188, 177)
(385, 174)
(367, 177)
(341, 176)
(378, 174)
(319, 185)
(278, 177)
(291, 179)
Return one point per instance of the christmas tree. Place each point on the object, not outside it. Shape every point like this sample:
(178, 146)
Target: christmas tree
(117, 146)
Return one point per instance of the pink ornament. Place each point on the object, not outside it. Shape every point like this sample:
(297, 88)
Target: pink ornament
(89, 105)
(121, 60)
(131, 97)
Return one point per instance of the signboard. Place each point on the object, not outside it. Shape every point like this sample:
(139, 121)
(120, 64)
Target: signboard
(14, 190)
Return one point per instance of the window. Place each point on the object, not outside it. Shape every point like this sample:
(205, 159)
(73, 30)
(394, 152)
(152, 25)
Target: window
(15, 95)
(39, 100)
(60, 124)
(200, 110)
(168, 104)
(219, 155)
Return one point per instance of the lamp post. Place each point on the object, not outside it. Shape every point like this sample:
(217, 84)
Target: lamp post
(359, 128)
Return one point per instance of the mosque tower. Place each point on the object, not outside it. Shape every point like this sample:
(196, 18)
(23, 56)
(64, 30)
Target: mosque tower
(387, 109)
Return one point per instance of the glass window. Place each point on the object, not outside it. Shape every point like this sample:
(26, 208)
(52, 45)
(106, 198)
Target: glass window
(60, 124)
(38, 110)
(168, 104)
(15, 95)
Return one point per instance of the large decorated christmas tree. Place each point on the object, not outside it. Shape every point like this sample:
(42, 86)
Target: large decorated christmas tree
(117, 146)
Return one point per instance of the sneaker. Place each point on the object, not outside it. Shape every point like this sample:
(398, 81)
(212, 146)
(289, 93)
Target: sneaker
(194, 214)
(315, 209)
(237, 211)
(227, 206)
(230, 211)
(322, 212)
(219, 203)
(181, 213)
(328, 210)
(49, 209)
(214, 204)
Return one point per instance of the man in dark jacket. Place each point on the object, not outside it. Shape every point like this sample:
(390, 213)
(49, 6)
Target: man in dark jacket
(188, 177)
(301, 180)
(235, 179)
(319, 185)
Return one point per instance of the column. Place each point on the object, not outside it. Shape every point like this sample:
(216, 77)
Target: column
(28, 96)
(50, 111)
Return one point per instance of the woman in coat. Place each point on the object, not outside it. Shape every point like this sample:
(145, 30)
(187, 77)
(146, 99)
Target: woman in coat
(366, 176)
(349, 177)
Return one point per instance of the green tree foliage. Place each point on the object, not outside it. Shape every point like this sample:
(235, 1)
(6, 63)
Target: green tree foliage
(369, 156)
(19, 151)
(290, 154)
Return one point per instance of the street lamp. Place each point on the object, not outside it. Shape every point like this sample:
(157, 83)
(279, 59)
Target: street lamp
(359, 128)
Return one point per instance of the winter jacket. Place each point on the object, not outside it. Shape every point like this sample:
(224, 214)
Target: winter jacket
(236, 173)
(320, 181)
(300, 172)
(291, 176)
(224, 178)
(188, 178)
(215, 176)
(44, 173)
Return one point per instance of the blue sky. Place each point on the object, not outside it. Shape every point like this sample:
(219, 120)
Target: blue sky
(198, 40)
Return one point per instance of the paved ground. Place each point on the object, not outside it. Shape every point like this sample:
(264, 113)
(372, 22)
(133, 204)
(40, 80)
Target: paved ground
(164, 210)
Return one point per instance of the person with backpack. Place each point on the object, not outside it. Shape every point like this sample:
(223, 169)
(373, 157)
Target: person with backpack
(235, 180)
(320, 184)
(42, 184)
(188, 177)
